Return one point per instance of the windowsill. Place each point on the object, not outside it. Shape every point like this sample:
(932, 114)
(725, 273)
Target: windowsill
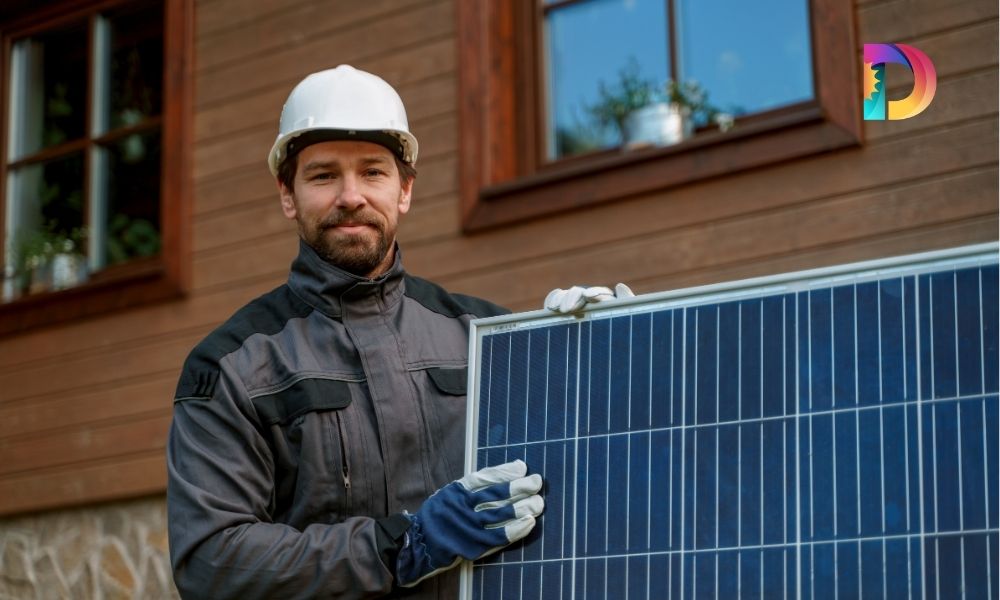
(134, 283)
(582, 181)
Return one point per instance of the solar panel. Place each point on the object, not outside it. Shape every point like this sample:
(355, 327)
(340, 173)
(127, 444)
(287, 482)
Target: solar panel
(826, 434)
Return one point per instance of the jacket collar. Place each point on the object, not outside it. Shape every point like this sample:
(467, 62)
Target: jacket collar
(325, 287)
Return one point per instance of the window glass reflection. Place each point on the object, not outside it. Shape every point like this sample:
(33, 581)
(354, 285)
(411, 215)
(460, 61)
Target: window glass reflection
(48, 77)
(590, 43)
(748, 56)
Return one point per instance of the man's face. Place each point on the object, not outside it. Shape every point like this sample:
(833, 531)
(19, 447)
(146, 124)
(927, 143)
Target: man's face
(347, 201)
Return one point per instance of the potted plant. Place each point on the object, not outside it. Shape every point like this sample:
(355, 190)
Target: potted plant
(645, 112)
(47, 259)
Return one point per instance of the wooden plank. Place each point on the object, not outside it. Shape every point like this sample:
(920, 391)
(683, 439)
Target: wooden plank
(939, 236)
(940, 151)
(401, 42)
(251, 184)
(902, 21)
(961, 50)
(970, 96)
(249, 148)
(293, 26)
(124, 477)
(430, 221)
(216, 16)
(743, 239)
(71, 375)
(242, 224)
(85, 443)
(128, 330)
(267, 257)
(74, 409)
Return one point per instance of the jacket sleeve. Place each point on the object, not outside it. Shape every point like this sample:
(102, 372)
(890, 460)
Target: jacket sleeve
(220, 494)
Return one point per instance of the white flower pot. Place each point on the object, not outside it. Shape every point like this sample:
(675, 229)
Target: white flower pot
(658, 124)
(68, 270)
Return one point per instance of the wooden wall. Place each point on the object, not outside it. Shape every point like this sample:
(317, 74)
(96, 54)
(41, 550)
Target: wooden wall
(85, 407)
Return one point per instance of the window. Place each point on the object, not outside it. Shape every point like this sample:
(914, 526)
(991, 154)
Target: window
(94, 186)
(603, 58)
(542, 87)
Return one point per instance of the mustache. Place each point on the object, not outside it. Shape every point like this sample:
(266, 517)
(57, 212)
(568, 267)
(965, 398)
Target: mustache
(354, 218)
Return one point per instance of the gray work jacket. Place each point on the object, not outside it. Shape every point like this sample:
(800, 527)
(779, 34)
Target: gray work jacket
(305, 424)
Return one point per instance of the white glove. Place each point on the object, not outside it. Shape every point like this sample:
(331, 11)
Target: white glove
(470, 518)
(576, 297)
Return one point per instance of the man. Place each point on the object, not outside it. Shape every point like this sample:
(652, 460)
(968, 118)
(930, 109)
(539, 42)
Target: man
(316, 431)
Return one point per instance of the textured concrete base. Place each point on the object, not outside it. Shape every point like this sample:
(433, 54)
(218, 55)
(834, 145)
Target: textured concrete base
(107, 551)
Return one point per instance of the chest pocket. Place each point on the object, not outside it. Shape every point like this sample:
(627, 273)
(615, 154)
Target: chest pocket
(453, 382)
(311, 426)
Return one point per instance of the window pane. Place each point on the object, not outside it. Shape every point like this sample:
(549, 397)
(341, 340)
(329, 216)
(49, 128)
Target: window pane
(135, 76)
(748, 56)
(44, 220)
(132, 225)
(48, 90)
(590, 43)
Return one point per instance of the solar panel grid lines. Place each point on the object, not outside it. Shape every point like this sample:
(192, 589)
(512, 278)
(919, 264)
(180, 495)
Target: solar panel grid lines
(732, 411)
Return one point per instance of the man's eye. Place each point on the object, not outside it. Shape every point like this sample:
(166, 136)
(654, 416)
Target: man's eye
(374, 172)
(322, 176)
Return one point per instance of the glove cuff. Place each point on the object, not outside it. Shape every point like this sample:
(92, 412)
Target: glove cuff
(390, 534)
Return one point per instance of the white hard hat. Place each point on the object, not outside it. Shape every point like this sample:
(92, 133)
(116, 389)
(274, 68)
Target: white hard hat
(343, 104)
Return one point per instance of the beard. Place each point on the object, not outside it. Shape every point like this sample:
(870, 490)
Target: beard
(357, 253)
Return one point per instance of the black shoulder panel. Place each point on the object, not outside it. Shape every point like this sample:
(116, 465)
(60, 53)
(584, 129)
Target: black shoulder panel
(435, 298)
(266, 314)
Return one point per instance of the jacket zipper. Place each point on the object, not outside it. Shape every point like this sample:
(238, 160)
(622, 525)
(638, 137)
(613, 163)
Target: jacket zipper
(345, 467)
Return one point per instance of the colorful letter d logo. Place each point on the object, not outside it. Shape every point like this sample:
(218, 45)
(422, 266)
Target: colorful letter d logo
(877, 104)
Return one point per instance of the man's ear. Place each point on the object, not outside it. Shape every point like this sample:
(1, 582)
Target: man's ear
(287, 201)
(405, 195)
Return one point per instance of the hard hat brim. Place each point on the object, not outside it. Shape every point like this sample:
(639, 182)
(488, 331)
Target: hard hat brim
(402, 144)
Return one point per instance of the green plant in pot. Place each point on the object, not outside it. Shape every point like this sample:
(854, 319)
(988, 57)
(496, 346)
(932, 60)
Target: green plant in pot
(47, 258)
(644, 112)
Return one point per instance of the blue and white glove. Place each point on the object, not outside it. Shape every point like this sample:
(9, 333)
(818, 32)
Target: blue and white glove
(576, 297)
(470, 518)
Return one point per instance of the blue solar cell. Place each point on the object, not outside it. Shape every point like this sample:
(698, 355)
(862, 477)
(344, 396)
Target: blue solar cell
(855, 345)
(637, 577)
(639, 494)
(988, 288)
(772, 359)
(891, 336)
(664, 492)
(992, 464)
(868, 354)
(705, 399)
(619, 369)
(895, 491)
(971, 457)
(835, 440)
(897, 566)
(970, 328)
(661, 355)
(941, 313)
(871, 482)
(729, 356)
(538, 344)
(910, 354)
(640, 374)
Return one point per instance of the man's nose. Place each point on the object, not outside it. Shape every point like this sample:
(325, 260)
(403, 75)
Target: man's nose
(350, 196)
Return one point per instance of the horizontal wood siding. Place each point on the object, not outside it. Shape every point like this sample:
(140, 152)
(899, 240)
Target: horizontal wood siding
(85, 407)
